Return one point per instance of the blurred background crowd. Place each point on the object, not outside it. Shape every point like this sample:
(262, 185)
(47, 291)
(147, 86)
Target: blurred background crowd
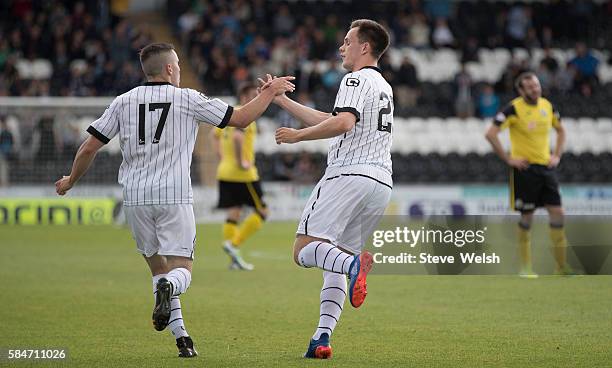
(447, 59)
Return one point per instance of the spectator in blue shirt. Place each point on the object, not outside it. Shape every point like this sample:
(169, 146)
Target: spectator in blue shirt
(585, 63)
(488, 102)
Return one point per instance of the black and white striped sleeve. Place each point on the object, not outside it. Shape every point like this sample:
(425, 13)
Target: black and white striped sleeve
(210, 110)
(107, 125)
(351, 95)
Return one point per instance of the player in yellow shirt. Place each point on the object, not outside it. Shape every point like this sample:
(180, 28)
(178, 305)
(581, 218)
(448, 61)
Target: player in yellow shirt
(533, 178)
(239, 183)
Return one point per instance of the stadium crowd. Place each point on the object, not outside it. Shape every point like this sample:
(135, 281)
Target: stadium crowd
(238, 40)
(82, 48)
(67, 48)
(85, 48)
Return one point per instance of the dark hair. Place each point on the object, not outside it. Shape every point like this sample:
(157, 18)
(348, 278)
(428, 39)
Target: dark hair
(518, 83)
(151, 50)
(245, 87)
(373, 33)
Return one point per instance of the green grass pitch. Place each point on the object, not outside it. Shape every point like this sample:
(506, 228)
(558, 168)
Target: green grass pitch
(86, 289)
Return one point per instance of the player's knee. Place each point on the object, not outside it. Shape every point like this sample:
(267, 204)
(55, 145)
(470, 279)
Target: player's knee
(157, 264)
(556, 211)
(158, 270)
(297, 248)
(179, 262)
(556, 216)
(296, 255)
(233, 214)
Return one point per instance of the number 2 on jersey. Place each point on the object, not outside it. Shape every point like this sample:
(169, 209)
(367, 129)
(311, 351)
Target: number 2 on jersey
(160, 124)
(385, 126)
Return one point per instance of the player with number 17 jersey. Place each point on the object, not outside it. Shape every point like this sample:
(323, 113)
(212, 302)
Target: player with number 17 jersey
(157, 125)
(157, 149)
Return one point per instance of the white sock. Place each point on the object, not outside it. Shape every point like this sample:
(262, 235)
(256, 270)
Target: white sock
(176, 323)
(180, 278)
(325, 256)
(333, 294)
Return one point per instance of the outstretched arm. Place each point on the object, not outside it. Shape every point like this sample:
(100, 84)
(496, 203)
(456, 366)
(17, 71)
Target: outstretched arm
(305, 114)
(246, 114)
(328, 128)
(83, 159)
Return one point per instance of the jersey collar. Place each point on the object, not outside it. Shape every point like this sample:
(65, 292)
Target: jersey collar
(157, 84)
(372, 67)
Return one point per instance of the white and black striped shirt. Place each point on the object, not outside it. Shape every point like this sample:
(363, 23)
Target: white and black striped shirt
(157, 125)
(366, 149)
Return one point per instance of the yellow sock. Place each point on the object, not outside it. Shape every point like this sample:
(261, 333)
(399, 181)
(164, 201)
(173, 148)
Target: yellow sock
(229, 229)
(524, 240)
(248, 227)
(557, 235)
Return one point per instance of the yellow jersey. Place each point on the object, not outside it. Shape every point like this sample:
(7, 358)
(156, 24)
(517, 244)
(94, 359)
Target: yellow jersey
(529, 128)
(229, 168)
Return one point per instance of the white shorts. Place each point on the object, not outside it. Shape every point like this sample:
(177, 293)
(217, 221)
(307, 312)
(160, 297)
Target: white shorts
(167, 230)
(345, 210)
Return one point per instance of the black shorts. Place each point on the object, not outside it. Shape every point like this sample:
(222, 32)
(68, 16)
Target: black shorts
(234, 194)
(534, 187)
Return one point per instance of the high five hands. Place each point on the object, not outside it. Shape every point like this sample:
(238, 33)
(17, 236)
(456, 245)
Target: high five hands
(278, 85)
(283, 135)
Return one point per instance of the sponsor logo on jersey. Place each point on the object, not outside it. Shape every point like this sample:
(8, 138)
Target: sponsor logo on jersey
(352, 82)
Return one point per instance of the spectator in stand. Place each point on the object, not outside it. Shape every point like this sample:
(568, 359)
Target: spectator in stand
(514, 69)
(586, 64)
(388, 71)
(305, 171)
(550, 61)
(46, 140)
(464, 105)
(226, 39)
(488, 102)
(547, 37)
(407, 82)
(7, 144)
(442, 36)
(469, 52)
(283, 167)
(187, 22)
(401, 29)
(547, 78)
(332, 76)
(283, 54)
(283, 21)
(331, 29)
(532, 41)
(318, 47)
(419, 32)
(566, 77)
(315, 78)
(518, 23)
(438, 8)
